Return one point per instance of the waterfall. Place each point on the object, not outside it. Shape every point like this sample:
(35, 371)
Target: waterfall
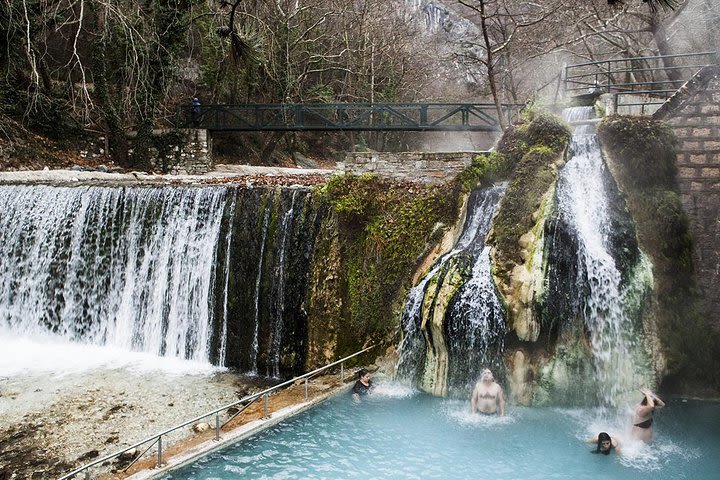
(273, 246)
(132, 268)
(609, 274)
(217, 275)
(474, 322)
(256, 343)
(279, 292)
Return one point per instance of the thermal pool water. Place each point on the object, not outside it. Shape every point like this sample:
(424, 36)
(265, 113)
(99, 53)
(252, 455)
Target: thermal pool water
(401, 434)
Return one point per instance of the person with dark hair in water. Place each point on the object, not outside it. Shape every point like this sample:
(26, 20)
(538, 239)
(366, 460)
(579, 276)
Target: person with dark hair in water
(642, 428)
(487, 396)
(363, 385)
(605, 444)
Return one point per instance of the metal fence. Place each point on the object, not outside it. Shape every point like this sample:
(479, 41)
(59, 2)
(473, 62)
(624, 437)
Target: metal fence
(345, 117)
(157, 439)
(637, 83)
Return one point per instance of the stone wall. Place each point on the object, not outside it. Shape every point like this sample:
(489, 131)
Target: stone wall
(433, 168)
(694, 115)
(196, 156)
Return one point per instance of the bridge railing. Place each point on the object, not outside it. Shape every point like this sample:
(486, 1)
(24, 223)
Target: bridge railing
(243, 403)
(345, 117)
(637, 81)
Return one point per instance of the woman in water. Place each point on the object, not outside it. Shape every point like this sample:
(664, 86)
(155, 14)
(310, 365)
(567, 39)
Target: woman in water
(605, 444)
(643, 417)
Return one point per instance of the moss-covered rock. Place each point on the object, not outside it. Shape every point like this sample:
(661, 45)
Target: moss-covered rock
(641, 154)
(384, 229)
(438, 294)
(533, 150)
(644, 148)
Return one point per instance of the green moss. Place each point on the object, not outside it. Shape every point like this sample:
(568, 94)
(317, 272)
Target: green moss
(533, 177)
(484, 170)
(384, 229)
(535, 129)
(642, 155)
(643, 148)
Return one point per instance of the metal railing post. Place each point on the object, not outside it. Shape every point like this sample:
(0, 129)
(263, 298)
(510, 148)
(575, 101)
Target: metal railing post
(85, 469)
(306, 389)
(342, 371)
(616, 100)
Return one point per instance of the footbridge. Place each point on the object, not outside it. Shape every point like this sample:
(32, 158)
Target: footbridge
(423, 117)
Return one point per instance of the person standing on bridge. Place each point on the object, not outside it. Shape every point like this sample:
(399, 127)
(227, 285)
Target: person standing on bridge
(195, 113)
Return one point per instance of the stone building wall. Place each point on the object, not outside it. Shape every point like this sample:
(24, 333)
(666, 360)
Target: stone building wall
(419, 167)
(694, 115)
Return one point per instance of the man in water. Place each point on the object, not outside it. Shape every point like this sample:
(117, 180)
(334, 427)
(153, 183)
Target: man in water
(487, 396)
(363, 385)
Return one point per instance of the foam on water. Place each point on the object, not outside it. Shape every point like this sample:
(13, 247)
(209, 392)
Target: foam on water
(635, 454)
(59, 357)
(393, 390)
(458, 411)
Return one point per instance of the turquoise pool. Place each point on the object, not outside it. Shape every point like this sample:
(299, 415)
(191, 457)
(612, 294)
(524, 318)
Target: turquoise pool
(399, 434)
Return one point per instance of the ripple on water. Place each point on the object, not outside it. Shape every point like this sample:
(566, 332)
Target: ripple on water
(459, 412)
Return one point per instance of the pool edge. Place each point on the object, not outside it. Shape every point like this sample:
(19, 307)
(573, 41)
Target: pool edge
(237, 434)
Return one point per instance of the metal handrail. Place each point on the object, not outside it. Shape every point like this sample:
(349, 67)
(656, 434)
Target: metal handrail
(157, 438)
(577, 78)
(653, 57)
(344, 116)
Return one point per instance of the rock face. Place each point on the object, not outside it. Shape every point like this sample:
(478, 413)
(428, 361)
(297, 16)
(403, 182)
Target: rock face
(441, 314)
(439, 293)
(578, 291)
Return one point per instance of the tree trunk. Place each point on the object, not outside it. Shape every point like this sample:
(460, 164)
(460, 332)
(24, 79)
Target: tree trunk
(660, 36)
(490, 58)
(143, 142)
(117, 143)
(270, 146)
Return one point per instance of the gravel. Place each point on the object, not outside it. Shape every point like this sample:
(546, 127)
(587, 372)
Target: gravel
(50, 425)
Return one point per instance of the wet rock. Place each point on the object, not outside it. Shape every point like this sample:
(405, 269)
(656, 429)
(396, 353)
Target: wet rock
(88, 455)
(128, 455)
(303, 161)
(201, 427)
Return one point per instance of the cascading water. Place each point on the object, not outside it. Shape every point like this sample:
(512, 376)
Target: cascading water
(210, 274)
(273, 248)
(256, 342)
(474, 324)
(131, 268)
(610, 275)
(279, 293)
